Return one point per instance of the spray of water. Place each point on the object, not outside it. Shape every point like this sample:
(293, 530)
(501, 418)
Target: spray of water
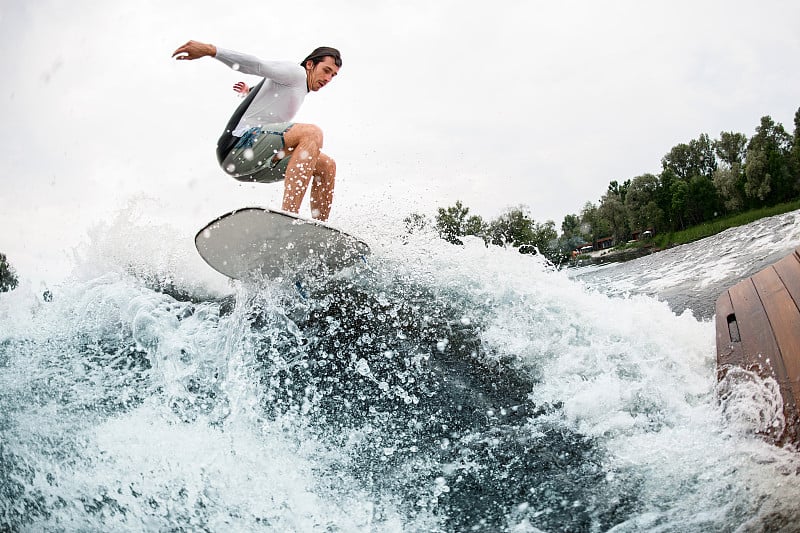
(439, 388)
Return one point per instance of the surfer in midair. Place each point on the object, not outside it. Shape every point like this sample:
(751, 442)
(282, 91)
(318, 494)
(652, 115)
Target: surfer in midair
(260, 143)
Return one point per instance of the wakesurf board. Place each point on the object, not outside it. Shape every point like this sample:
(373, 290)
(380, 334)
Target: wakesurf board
(255, 242)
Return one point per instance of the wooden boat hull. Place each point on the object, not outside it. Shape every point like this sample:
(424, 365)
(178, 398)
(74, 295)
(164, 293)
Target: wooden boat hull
(758, 330)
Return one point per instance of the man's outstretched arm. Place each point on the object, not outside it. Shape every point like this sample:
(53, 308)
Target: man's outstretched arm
(283, 72)
(195, 50)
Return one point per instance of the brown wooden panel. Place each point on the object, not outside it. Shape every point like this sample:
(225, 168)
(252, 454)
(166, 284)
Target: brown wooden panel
(788, 269)
(784, 319)
(758, 344)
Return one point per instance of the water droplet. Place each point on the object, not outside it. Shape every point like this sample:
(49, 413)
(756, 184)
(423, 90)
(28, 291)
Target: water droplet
(362, 367)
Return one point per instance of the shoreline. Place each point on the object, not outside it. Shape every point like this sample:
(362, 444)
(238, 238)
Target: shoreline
(672, 239)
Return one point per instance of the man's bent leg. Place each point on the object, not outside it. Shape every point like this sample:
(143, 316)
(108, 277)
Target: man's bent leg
(305, 141)
(322, 187)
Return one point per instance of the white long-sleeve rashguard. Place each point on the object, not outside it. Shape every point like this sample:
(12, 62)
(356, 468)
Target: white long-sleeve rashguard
(280, 97)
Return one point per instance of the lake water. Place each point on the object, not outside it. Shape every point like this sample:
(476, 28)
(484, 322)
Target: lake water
(438, 388)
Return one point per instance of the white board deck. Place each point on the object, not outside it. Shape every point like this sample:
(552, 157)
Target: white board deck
(257, 241)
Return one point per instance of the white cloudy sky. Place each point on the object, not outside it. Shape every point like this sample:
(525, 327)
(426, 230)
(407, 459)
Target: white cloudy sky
(496, 104)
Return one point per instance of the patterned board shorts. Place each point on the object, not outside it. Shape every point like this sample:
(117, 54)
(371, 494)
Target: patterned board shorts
(253, 158)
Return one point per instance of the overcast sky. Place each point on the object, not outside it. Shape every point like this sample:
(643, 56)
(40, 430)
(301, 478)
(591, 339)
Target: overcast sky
(496, 104)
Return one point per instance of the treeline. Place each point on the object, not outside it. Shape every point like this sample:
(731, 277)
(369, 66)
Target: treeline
(8, 278)
(515, 228)
(699, 181)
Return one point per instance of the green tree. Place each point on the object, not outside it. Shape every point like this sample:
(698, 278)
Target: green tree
(571, 226)
(702, 201)
(693, 159)
(728, 179)
(474, 225)
(729, 183)
(678, 161)
(612, 211)
(8, 277)
(731, 148)
(620, 191)
(514, 228)
(545, 239)
(664, 198)
(794, 155)
(767, 173)
(679, 195)
(593, 226)
(642, 203)
(453, 222)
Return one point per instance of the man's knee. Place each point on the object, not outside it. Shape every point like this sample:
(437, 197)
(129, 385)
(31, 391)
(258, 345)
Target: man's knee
(308, 133)
(315, 135)
(326, 166)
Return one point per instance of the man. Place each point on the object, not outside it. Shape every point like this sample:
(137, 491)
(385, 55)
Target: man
(260, 143)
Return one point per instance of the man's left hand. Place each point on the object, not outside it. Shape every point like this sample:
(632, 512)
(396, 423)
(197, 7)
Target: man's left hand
(195, 50)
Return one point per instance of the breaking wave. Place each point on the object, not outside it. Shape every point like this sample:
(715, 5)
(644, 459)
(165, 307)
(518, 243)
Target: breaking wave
(438, 388)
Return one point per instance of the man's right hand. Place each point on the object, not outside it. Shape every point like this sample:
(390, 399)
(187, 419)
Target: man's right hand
(194, 50)
(241, 88)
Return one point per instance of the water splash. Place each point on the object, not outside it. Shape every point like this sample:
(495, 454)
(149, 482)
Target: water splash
(440, 388)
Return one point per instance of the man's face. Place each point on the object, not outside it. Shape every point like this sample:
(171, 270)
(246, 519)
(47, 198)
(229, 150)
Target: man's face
(320, 74)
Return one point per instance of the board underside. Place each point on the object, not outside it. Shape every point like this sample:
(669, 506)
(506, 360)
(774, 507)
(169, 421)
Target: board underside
(255, 242)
